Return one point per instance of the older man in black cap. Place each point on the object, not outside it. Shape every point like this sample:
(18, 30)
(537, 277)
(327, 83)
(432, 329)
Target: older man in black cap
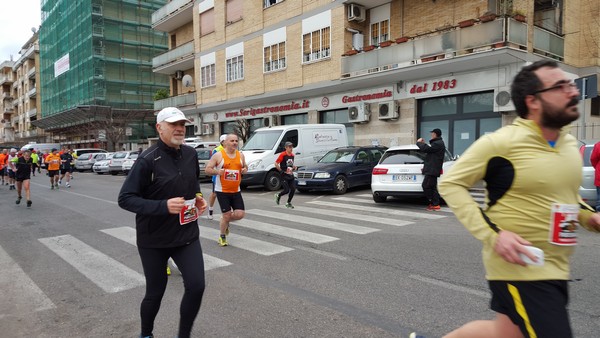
(432, 167)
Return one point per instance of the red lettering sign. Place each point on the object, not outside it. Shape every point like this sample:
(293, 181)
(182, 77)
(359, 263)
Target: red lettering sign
(434, 85)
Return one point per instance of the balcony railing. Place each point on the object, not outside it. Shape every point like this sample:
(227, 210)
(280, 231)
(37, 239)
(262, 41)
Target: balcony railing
(176, 101)
(548, 44)
(170, 11)
(180, 53)
(31, 72)
(32, 92)
(8, 110)
(6, 96)
(447, 44)
(6, 79)
(31, 113)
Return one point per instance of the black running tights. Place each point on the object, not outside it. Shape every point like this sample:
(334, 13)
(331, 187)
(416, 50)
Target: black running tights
(289, 186)
(191, 264)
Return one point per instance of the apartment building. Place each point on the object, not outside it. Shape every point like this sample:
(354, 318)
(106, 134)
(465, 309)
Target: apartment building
(24, 91)
(7, 78)
(389, 70)
(96, 78)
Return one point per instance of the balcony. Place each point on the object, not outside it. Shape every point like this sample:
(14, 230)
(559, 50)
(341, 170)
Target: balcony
(548, 44)
(8, 110)
(173, 15)
(4, 79)
(179, 58)
(6, 96)
(31, 113)
(176, 101)
(32, 92)
(452, 43)
(31, 73)
(27, 54)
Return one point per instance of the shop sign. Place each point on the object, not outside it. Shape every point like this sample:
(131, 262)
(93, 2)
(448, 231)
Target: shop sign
(433, 86)
(305, 104)
(367, 97)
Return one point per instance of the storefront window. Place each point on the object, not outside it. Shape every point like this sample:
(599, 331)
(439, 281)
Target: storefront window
(439, 106)
(294, 119)
(478, 103)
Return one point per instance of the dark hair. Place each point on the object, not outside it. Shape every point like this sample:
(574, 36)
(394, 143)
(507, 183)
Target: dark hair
(526, 83)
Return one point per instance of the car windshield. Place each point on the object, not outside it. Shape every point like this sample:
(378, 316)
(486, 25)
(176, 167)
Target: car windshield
(338, 156)
(203, 154)
(264, 140)
(133, 156)
(407, 156)
(120, 155)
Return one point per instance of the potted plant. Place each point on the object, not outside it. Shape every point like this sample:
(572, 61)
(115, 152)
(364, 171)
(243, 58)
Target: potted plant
(350, 52)
(519, 15)
(386, 43)
(487, 16)
(402, 39)
(368, 48)
(466, 23)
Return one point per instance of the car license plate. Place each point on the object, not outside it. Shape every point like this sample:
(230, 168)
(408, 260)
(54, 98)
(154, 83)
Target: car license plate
(404, 178)
(301, 182)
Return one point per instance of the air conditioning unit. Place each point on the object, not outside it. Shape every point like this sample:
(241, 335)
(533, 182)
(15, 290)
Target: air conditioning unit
(271, 121)
(502, 100)
(207, 129)
(356, 13)
(388, 110)
(359, 113)
(198, 127)
(179, 74)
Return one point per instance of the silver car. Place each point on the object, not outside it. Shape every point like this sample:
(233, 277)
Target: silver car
(587, 190)
(115, 165)
(101, 166)
(86, 161)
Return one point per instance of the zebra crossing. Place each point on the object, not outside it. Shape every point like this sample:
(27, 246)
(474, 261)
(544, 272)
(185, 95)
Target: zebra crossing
(303, 224)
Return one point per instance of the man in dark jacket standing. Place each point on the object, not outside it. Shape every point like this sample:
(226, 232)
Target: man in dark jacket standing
(162, 189)
(432, 167)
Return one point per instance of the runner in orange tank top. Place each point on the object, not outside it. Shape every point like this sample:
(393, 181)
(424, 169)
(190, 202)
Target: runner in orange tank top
(229, 164)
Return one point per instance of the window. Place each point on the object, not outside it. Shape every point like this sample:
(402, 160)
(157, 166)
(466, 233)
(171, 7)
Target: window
(234, 10)
(274, 57)
(208, 75)
(595, 106)
(380, 32)
(316, 45)
(235, 68)
(269, 3)
(207, 22)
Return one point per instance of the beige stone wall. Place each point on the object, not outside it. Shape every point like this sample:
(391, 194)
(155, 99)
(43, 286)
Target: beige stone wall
(389, 132)
(582, 33)
(183, 35)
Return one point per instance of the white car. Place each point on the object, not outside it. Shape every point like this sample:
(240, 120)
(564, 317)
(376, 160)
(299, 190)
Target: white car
(398, 173)
(127, 164)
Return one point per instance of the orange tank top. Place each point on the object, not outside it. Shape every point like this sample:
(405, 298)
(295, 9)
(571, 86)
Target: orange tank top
(230, 181)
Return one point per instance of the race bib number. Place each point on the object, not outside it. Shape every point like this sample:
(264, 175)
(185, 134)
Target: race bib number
(188, 213)
(231, 175)
(563, 224)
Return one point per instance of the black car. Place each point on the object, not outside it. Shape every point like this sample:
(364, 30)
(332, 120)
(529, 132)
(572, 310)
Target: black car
(340, 169)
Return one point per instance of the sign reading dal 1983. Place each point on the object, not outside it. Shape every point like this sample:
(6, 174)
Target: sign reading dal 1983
(434, 85)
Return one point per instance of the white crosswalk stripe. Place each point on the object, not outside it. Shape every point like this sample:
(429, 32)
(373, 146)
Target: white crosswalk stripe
(355, 229)
(300, 235)
(395, 212)
(107, 273)
(246, 243)
(127, 234)
(20, 295)
(371, 202)
(353, 216)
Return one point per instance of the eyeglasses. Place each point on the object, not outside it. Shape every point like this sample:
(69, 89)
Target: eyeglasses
(566, 87)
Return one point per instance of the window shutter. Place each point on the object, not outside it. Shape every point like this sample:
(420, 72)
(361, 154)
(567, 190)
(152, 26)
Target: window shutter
(234, 10)
(207, 22)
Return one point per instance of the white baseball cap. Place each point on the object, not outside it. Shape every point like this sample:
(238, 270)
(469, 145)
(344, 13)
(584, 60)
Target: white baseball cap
(222, 138)
(171, 114)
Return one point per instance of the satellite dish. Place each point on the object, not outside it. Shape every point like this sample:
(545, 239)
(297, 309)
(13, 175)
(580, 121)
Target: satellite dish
(187, 81)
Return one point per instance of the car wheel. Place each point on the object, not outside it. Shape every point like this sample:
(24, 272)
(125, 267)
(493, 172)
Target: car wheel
(340, 185)
(114, 173)
(272, 181)
(99, 173)
(379, 198)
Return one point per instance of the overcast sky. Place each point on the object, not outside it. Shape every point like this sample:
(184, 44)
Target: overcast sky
(16, 19)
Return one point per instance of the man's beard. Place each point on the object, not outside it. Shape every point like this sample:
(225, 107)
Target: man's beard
(176, 141)
(556, 118)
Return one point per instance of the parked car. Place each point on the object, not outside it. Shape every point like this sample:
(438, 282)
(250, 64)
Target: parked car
(398, 173)
(101, 166)
(127, 164)
(86, 161)
(587, 189)
(340, 169)
(80, 151)
(115, 165)
(203, 157)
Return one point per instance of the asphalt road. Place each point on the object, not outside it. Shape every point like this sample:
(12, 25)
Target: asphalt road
(336, 266)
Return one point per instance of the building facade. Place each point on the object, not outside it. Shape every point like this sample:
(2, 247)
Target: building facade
(389, 70)
(97, 83)
(7, 79)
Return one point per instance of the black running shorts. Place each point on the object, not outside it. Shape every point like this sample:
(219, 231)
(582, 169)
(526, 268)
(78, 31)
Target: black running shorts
(228, 201)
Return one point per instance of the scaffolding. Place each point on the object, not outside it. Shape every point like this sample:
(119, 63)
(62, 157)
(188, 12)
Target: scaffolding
(99, 53)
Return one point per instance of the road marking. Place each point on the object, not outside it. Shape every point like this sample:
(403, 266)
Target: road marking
(300, 235)
(355, 229)
(321, 252)
(396, 212)
(350, 199)
(127, 234)
(20, 295)
(107, 273)
(354, 217)
(451, 286)
(245, 243)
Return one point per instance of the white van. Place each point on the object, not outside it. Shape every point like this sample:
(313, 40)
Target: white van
(311, 142)
(41, 148)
